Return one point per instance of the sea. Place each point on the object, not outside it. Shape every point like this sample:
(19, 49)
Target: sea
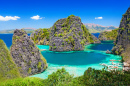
(75, 62)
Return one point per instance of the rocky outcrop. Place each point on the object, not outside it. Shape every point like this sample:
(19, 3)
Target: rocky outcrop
(8, 69)
(108, 52)
(41, 36)
(96, 40)
(69, 34)
(26, 55)
(122, 43)
(108, 35)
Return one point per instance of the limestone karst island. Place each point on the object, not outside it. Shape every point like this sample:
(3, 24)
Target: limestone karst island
(65, 43)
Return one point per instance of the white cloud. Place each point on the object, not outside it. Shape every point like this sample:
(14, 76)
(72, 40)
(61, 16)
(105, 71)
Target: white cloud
(36, 17)
(98, 17)
(7, 18)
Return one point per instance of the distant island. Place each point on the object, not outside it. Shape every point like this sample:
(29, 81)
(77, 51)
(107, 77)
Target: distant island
(28, 30)
(108, 35)
(95, 28)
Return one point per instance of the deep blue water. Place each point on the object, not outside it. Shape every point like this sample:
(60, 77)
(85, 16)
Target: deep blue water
(104, 46)
(96, 34)
(7, 39)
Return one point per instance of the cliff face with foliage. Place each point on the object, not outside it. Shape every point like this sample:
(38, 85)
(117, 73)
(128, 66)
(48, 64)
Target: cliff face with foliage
(70, 34)
(108, 35)
(8, 69)
(41, 36)
(26, 55)
(122, 44)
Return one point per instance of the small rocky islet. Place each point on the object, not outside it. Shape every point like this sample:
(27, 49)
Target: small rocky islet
(67, 34)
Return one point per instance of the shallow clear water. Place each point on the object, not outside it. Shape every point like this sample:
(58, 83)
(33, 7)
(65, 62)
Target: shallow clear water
(76, 62)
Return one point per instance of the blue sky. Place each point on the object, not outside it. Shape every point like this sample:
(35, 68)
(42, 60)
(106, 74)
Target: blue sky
(17, 13)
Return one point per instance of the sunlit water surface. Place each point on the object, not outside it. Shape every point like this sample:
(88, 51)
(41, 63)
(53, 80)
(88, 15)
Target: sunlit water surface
(76, 62)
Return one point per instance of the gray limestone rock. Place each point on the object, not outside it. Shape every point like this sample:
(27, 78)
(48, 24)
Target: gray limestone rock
(26, 55)
(69, 34)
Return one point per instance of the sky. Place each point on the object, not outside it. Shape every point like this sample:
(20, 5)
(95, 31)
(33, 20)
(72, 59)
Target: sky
(17, 14)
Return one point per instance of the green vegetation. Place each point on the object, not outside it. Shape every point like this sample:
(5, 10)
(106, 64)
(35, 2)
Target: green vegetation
(60, 35)
(8, 69)
(109, 35)
(29, 71)
(28, 81)
(126, 55)
(87, 35)
(44, 60)
(16, 37)
(54, 47)
(41, 36)
(91, 77)
(94, 77)
(121, 28)
(39, 66)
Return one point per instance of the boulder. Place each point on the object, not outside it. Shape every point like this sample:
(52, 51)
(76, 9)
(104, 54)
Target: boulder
(108, 52)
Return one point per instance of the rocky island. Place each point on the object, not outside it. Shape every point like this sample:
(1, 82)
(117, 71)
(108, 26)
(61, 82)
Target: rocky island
(69, 34)
(122, 43)
(41, 36)
(108, 35)
(26, 55)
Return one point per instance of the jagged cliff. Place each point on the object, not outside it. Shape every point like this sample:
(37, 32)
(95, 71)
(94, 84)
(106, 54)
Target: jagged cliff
(8, 68)
(69, 34)
(41, 36)
(26, 55)
(122, 43)
(108, 35)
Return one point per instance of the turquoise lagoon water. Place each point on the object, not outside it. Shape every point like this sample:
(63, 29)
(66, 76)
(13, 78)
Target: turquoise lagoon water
(76, 62)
